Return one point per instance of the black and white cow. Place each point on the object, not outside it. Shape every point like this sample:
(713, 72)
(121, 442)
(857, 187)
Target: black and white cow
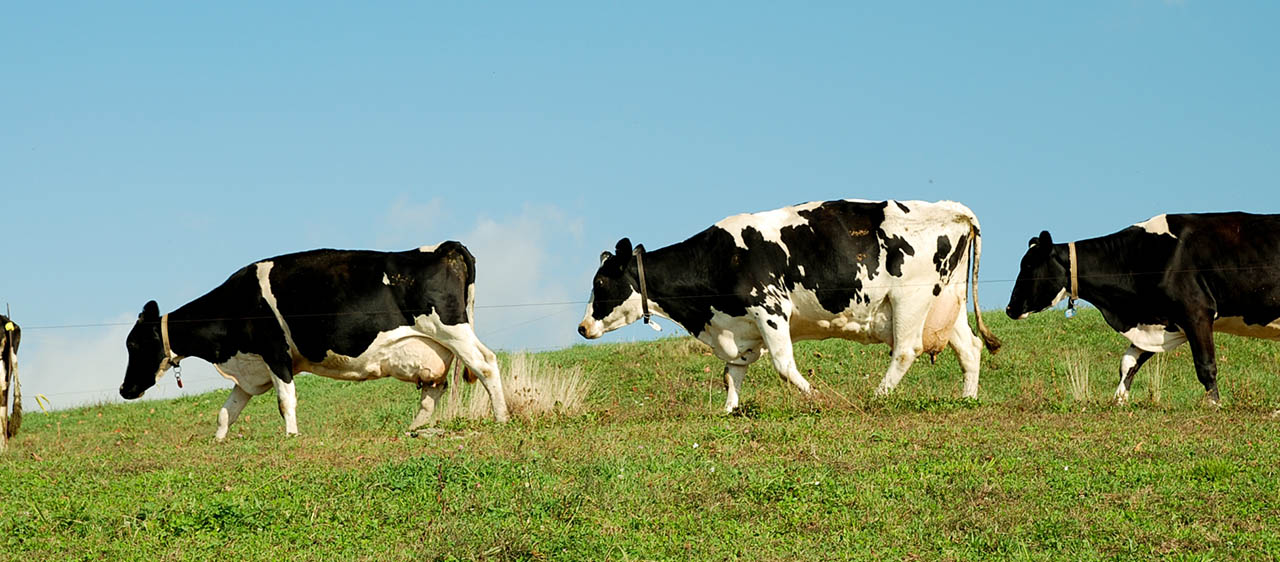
(10, 337)
(877, 272)
(344, 314)
(1171, 280)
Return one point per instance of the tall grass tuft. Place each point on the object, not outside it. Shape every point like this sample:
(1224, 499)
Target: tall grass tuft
(532, 389)
(1078, 378)
(1155, 379)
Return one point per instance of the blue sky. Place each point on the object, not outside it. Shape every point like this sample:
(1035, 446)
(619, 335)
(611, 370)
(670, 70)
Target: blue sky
(147, 150)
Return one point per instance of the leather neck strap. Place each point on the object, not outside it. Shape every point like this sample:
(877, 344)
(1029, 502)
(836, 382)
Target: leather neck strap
(164, 340)
(644, 291)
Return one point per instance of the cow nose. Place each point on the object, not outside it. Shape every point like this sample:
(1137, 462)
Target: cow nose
(582, 331)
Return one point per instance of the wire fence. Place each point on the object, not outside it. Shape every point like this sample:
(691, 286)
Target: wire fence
(564, 307)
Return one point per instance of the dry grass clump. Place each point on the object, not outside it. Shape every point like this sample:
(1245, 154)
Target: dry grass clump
(532, 389)
(1078, 378)
(1155, 379)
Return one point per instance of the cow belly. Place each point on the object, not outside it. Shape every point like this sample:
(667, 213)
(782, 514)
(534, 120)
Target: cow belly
(1154, 338)
(248, 370)
(407, 357)
(1236, 326)
(860, 323)
(941, 321)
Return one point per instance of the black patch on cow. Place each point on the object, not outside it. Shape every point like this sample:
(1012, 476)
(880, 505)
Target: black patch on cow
(337, 300)
(901, 206)
(896, 251)
(937, 290)
(771, 324)
(946, 258)
(689, 279)
(940, 256)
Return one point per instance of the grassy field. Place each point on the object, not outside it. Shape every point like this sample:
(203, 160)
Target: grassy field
(1043, 467)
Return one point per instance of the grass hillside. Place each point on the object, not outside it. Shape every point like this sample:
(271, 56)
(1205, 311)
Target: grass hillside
(1043, 467)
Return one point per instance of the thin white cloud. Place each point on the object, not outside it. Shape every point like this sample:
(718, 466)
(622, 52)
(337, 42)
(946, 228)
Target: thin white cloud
(525, 298)
(406, 221)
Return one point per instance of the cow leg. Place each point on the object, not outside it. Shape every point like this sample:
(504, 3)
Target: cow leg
(908, 325)
(427, 407)
(733, 384)
(231, 410)
(1133, 360)
(968, 348)
(464, 344)
(734, 371)
(777, 338)
(1201, 339)
(287, 399)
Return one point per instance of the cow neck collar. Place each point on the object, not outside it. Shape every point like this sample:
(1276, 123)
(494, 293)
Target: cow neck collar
(644, 290)
(169, 355)
(1075, 274)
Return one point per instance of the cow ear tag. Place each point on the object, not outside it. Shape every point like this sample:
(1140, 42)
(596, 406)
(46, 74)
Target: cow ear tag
(8, 326)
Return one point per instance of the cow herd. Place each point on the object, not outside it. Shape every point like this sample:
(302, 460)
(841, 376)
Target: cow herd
(893, 272)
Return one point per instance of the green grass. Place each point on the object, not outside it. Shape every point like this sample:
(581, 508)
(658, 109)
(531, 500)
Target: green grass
(653, 471)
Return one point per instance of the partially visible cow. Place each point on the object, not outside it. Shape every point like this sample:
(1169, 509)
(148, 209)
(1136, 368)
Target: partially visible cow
(344, 314)
(890, 272)
(10, 420)
(1170, 280)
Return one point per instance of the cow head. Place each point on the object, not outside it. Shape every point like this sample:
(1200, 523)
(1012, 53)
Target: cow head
(147, 360)
(1042, 279)
(615, 294)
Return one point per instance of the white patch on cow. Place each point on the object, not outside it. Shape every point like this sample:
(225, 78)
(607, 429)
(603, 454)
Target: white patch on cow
(248, 371)
(1235, 325)
(264, 284)
(386, 280)
(430, 248)
(1158, 224)
(768, 223)
(1154, 338)
(730, 337)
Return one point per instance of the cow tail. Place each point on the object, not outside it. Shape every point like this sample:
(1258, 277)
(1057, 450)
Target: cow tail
(989, 339)
(469, 293)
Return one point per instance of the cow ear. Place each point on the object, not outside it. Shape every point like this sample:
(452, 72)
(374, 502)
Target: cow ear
(623, 248)
(1045, 239)
(604, 257)
(1032, 242)
(150, 311)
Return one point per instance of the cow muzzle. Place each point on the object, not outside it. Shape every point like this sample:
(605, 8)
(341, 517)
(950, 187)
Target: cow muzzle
(590, 329)
(130, 393)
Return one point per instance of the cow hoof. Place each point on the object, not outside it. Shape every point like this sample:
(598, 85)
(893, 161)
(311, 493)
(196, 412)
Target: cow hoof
(1121, 398)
